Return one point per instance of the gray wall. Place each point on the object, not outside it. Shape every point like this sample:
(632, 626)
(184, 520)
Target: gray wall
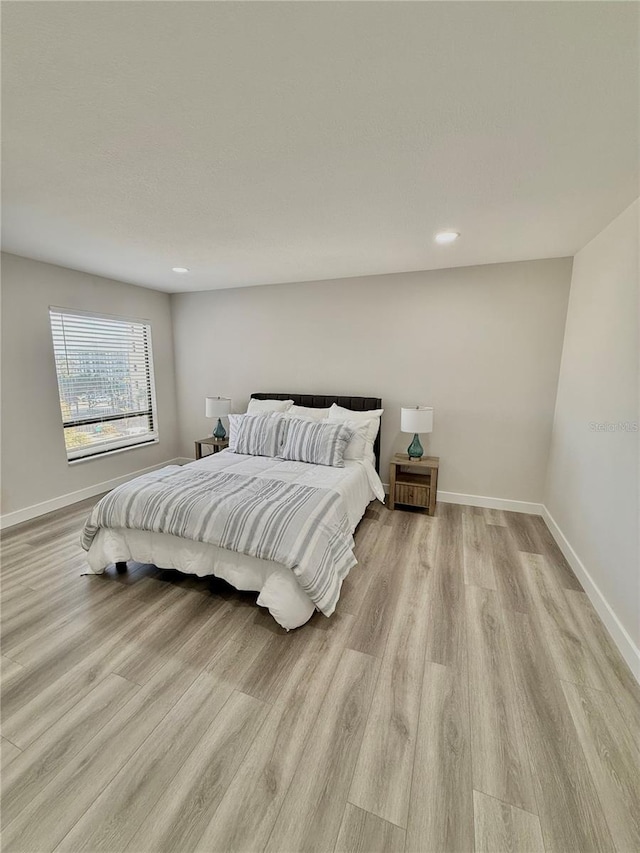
(592, 488)
(34, 460)
(480, 344)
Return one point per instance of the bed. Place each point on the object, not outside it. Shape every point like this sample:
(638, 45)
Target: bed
(280, 587)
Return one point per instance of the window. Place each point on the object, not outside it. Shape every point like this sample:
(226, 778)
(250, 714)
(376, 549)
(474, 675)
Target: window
(105, 380)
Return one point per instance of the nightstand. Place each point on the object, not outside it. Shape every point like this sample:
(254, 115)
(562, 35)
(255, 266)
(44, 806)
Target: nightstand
(215, 443)
(413, 482)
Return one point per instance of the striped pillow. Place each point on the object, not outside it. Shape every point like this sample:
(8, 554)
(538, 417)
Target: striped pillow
(316, 442)
(258, 435)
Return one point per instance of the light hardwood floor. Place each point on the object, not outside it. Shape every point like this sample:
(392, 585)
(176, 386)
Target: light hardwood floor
(465, 696)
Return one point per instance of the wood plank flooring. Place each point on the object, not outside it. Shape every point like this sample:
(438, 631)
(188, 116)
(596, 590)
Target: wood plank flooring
(464, 697)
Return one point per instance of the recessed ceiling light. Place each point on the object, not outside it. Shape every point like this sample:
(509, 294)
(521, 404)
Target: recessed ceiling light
(447, 236)
(179, 269)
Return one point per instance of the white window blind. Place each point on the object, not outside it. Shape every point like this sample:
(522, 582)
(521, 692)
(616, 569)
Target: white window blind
(105, 379)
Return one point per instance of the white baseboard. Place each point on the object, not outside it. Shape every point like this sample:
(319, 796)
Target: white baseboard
(490, 503)
(616, 629)
(9, 519)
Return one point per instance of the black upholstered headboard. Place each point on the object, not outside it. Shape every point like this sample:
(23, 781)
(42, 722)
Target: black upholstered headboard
(319, 401)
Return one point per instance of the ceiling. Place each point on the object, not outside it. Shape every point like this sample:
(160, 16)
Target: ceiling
(270, 142)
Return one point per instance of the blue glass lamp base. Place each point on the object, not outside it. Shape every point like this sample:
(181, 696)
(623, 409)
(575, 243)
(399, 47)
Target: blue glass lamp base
(219, 431)
(415, 450)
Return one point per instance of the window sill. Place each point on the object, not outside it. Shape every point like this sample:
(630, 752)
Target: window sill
(105, 453)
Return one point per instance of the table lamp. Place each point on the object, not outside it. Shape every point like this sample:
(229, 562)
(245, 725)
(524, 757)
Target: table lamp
(217, 407)
(416, 420)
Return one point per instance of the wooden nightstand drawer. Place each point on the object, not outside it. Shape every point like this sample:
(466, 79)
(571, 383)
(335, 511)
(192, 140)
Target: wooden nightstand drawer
(412, 495)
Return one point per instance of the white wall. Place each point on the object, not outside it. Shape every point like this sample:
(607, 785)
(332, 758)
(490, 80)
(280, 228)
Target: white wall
(34, 460)
(592, 486)
(480, 344)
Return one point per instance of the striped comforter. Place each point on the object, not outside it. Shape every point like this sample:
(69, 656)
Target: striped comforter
(302, 527)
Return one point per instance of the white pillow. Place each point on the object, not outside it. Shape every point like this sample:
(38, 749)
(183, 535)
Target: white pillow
(259, 407)
(338, 413)
(308, 412)
(360, 446)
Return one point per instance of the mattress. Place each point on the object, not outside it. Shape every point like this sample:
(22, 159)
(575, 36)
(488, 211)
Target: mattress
(279, 591)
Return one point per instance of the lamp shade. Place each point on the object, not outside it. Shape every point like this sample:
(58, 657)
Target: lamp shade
(217, 407)
(416, 420)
